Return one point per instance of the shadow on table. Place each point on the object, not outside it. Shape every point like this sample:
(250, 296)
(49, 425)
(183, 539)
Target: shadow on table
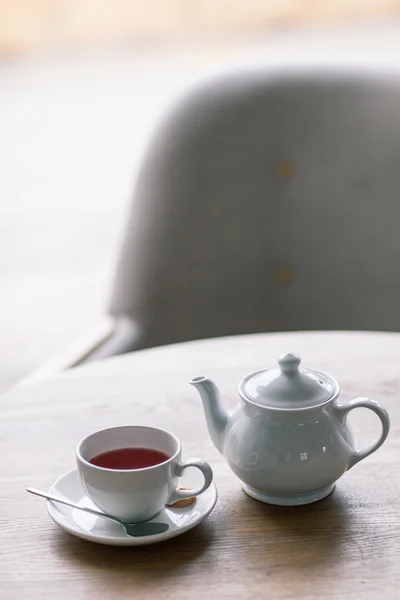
(244, 536)
(328, 532)
(158, 561)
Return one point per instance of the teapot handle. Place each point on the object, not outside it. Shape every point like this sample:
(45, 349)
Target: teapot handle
(341, 411)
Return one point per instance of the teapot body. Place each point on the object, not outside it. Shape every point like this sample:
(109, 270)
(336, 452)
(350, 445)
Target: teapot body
(288, 457)
(288, 440)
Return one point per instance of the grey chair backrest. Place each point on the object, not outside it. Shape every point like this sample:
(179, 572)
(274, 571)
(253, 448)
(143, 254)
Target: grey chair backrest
(268, 203)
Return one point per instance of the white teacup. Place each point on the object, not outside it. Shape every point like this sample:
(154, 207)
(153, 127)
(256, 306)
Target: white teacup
(135, 495)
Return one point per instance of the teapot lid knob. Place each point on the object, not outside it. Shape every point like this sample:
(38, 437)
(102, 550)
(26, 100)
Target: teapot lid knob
(289, 362)
(288, 386)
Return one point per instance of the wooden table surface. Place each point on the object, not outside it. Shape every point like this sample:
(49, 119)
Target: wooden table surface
(346, 546)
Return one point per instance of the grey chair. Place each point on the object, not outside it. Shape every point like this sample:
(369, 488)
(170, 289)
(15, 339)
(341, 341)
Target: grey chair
(266, 202)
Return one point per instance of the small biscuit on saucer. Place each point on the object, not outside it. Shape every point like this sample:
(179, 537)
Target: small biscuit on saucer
(184, 501)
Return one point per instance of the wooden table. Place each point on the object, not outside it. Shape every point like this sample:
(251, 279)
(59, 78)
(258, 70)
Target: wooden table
(347, 546)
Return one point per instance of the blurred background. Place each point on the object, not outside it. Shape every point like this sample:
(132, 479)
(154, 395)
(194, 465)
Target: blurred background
(82, 85)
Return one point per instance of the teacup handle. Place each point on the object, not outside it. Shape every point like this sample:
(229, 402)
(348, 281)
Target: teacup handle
(204, 467)
(342, 411)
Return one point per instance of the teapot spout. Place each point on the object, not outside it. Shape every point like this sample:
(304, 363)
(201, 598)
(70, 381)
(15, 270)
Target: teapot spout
(216, 417)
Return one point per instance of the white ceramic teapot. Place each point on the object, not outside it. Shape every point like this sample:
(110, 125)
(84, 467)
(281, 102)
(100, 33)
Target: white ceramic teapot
(288, 441)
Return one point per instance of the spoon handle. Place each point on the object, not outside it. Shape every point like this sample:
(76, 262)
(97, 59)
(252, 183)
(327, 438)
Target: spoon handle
(72, 504)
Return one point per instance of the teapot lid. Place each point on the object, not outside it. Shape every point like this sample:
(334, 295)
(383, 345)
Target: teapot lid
(288, 387)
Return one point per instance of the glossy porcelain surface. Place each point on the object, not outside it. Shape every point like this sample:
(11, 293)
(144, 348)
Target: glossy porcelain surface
(136, 495)
(102, 531)
(292, 454)
(288, 386)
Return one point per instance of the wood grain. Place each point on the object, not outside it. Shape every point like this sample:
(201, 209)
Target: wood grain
(347, 546)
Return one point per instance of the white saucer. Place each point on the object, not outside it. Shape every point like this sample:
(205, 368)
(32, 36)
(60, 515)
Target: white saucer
(102, 531)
